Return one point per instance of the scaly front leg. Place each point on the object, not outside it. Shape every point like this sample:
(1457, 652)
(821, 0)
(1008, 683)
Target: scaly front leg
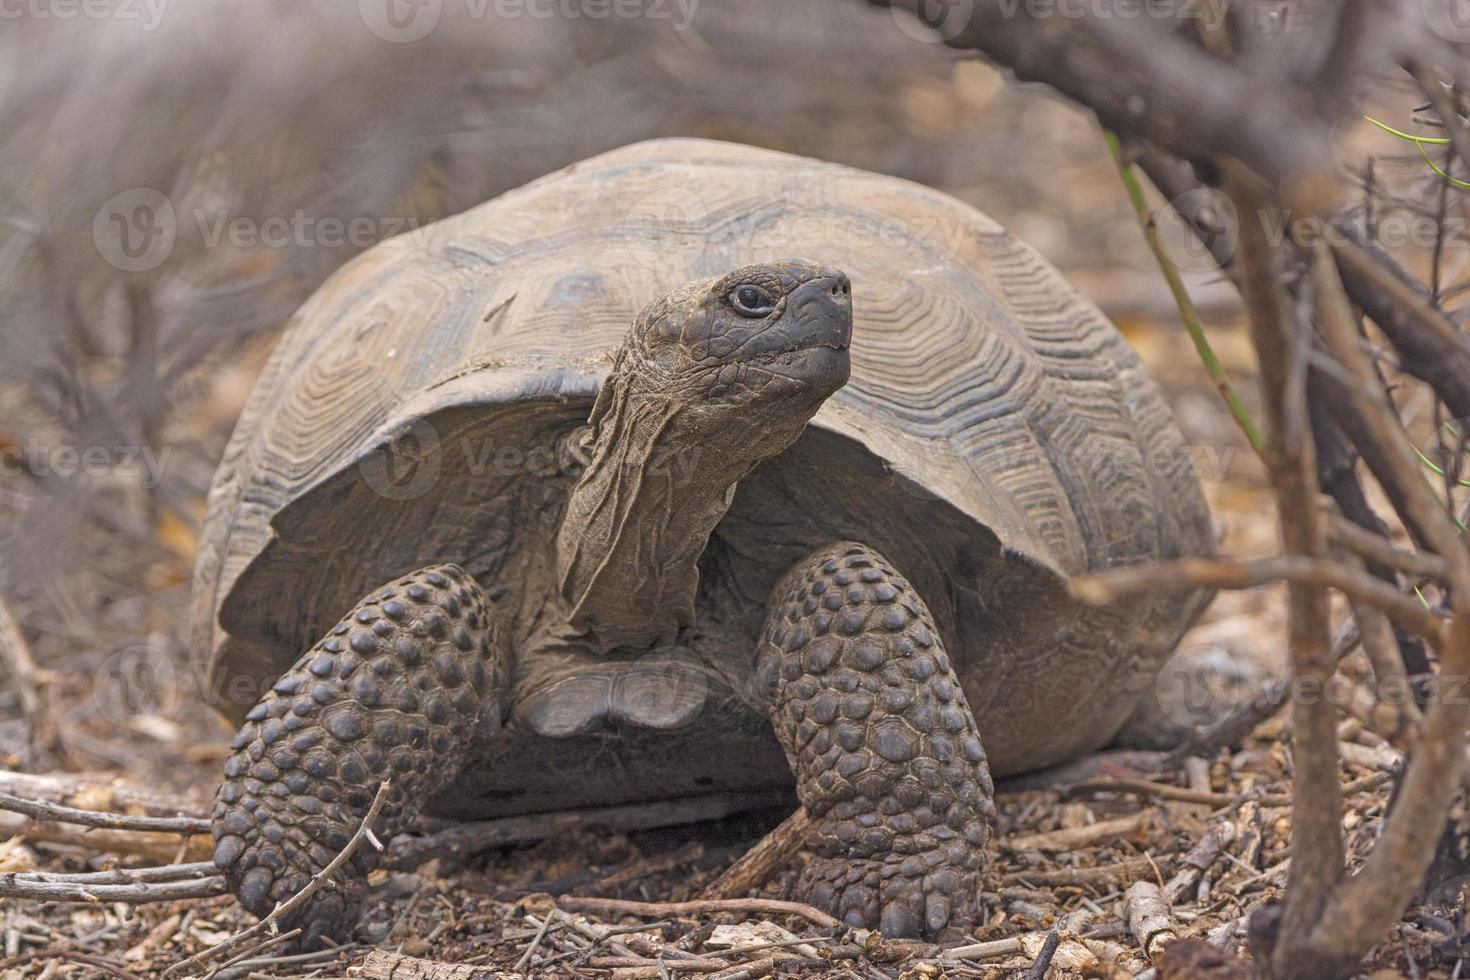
(886, 754)
(394, 692)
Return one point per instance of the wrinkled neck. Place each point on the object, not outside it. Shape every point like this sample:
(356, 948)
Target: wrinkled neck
(660, 476)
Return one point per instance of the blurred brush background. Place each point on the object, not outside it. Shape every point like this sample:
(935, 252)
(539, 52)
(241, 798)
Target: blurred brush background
(176, 178)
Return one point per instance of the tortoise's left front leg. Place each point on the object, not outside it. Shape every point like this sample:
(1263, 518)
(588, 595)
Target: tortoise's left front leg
(887, 757)
(394, 693)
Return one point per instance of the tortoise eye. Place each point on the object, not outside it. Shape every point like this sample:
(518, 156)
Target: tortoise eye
(752, 301)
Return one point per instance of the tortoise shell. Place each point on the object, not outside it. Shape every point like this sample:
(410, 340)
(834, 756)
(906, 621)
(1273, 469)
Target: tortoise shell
(996, 437)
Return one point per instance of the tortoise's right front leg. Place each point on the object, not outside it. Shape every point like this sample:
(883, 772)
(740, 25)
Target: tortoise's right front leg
(886, 754)
(394, 692)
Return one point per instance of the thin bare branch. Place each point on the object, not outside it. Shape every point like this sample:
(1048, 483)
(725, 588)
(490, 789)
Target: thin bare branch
(1224, 573)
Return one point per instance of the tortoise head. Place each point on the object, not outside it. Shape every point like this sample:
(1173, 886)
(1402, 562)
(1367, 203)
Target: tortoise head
(764, 335)
(714, 378)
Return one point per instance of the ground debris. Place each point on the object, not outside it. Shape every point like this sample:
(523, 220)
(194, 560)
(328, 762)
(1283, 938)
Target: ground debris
(1091, 881)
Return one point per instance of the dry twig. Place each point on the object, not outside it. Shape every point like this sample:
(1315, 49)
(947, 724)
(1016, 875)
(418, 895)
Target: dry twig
(756, 866)
(318, 880)
(759, 906)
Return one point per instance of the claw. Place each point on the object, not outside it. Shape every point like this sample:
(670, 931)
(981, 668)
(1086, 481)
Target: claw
(228, 851)
(936, 912)
(255, 890)
(899, 921)
(326, 918)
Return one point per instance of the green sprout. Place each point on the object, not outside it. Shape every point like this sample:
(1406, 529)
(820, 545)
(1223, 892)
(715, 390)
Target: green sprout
(1187, 311)
(1419, 143)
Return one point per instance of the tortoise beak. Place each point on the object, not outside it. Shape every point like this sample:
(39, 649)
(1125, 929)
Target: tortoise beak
(818, 329)
(810, 339)
(821, 313)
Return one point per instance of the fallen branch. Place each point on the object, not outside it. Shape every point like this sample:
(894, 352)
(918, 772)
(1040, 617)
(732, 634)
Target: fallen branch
(18, 885)
(1188, 574)
(1073, 838)
(254, 951)
(1100, 876)
(39, 810)
(1200, 857)
(155, 847)
(28, 681)
(463, 840)
(128, 876)
(687, 966)
(101, 792)
(1143, 787)
(660, 909)
(1009, 946)
(1149, 919)
(381, 964)
(754, 868)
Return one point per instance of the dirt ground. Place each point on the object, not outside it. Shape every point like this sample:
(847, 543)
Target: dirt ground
(97, 578)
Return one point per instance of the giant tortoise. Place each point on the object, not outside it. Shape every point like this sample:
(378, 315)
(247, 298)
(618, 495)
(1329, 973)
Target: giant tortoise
(489, 533)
